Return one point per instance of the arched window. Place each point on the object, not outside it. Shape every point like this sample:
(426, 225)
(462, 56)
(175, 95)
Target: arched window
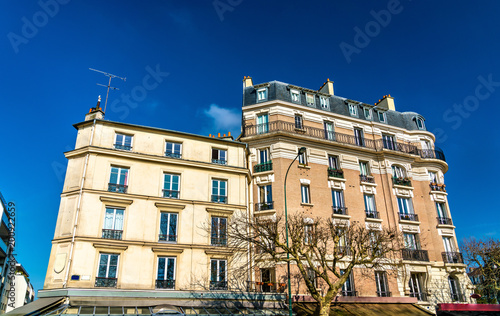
(420, 122)
(398, 171)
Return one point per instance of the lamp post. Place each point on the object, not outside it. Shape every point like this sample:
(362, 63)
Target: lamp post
(300, 152)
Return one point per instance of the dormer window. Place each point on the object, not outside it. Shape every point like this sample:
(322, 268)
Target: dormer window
(353, 110)
(262, 95)
(325, 103)
(295, 95)
(310, 99)
(420, 122)
(381, 117)
(368, 113)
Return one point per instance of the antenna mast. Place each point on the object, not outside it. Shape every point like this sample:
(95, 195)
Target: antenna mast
(109, 84)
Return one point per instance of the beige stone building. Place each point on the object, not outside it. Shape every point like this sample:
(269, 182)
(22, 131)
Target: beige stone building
(366, 163)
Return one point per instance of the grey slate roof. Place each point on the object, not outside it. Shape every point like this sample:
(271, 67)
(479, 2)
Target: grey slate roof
(281, 91)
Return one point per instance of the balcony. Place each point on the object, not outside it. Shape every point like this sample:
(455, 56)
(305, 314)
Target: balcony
(112, 234)
(165, 284)
(452, 257)
(349, 293)
(402, 181)
(219, 161)
(218, 285)
(266, 287)
(265, 166)
(123, 147)
(105, 282)
(384, 294)
(264, 206)
(219, 199)
(366, 178)
(408, 217)
(339, 210)
(218, 241)
(173, 155)
(415, 254)
(165, 237)
(372, 214)
(444, 221)
(120, 188)
(421, 296)
(389, 144)
(171, 194)
(437, 187)
(336, 173)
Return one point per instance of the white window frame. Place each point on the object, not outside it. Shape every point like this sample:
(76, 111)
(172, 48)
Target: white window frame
(262, 94)
(333, 162)
(381, 282)
(369, 116)
(398, 171)
(218, 269)
(119, 174)
(263, 123)
(169, 220)
(166, 262)
(115, 209)
(219, 159)
(310, 97)
(405, 205)
(295, 96)
(305, 194)
(219, 181)
(384, 118)
(171, 184)
(364, 168)
(108, 265)
(172, 153)
(329, 128)
(411, 241)
(353, 109)
(325, 102)
(421, 121)
(303, 159)
(264, 153)
(370, 204)
(122, 143)
(433, 177)
(300, 120)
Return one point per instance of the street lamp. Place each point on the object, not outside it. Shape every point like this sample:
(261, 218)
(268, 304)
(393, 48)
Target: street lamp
(300, 152)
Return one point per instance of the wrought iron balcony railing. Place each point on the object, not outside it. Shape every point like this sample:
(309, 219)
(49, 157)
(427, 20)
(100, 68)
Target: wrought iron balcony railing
(218, 285)
(264, 206)
(265, 166)
(366, 178)
(408, 217)
(219, 161)
(105, 282)
(421, 296)
(415, 254)
(349, 293)
(112, 234)
(218, 241)
(120, 188)
(123, 147)
(339, 210)
(437, 187)
(401, 181)
(266, 287)
(384, 294)
(165, 284)
(172, 194)
(444, 221)
(173, 155)
(166, 237)
(452, 257)
(219, 199)
(337, 173)
(371, 214)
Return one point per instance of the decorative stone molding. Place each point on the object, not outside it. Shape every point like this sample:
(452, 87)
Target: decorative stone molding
(336, 183)
(413, 229)
(446, 232)
(337, 221)
(373, 226)
(368, 188)
(402, 191)
(305, 181)
(115, 201)
(438, 196)
(264, 177)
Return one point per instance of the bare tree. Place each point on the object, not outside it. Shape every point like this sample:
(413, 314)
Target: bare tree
(317, 246)
(483, 260)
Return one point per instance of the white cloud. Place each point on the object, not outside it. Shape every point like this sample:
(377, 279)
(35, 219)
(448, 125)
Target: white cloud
(224, 119)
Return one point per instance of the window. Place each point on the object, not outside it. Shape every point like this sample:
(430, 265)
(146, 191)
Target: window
(338, 202)
(218, 274)
(388, 142)
(262, 123)
(441, 210)
(265, 198)
(456, 296)
(263, 155)
(219, 156)
(329, 134)
(398, 172)
(262, 95)
(218, 236)
(358, 137)
(173, 150)
(381, 116)
(311, 275)
(295, 95)
(308, 233)
(416, 288)
(325, 103)
(113, 223)
(333, 162)
(411, 241)
(405, 207)
(353, 110)
(348, 286)
(168, 227)
(303, 159)
(267, 278)
(433, 177)
(368, 113)
(118, 180)
(219, 194)
(123, 142)
(371, 211)
(165, 278)
(364, 169)
(310, 99)
(304, 191)
(420, 123)
(298, 122)
(171, 186)
(449, 246)
(382, 284)
(107, 271)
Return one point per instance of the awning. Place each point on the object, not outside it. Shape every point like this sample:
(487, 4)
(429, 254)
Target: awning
(364, 309)
(38, 306)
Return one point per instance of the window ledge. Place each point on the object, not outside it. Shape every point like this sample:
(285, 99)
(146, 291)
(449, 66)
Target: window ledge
(406, 222)
(377, 220)
(341, 216)
(304, 166)
(307, 204)
(260, 173)
(445, 226)
(369, 184)
(398, 186)
(337, 179)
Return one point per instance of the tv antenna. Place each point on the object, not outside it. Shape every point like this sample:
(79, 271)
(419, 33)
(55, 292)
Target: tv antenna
(111, 76)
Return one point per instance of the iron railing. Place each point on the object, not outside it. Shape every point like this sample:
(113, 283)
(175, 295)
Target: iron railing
(219, 161)
(172, 194)
(378, 145)
(366, 178)
(401, 181)
(120, 188)
(384, 294)
(452, 257)
(123, 147)
(105, 282)
(421, 296)
(166, 237)
(266, 287)
(415, 254)
(437, 187)
(165, 284)
(218, 241)
(173, 155)
(444, 221)
(349, 293)
(337, 173)
(372, 214)
(112, 234)
(265, 166)
(339, 210)
(218, 285)
(219, 199)
(408, 217)
(264, 206)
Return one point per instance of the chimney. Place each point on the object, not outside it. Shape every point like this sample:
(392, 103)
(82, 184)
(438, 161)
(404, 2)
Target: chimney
(386, 103)
(327, 87)
(95, 113)
(247, 82)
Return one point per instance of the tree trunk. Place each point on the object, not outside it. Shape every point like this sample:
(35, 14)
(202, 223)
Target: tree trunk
(323, 308)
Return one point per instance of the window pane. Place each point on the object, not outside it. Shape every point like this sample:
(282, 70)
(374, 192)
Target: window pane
(161, 269)
(170, 269)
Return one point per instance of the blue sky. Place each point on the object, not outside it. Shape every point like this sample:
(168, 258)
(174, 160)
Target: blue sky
(185, 61)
